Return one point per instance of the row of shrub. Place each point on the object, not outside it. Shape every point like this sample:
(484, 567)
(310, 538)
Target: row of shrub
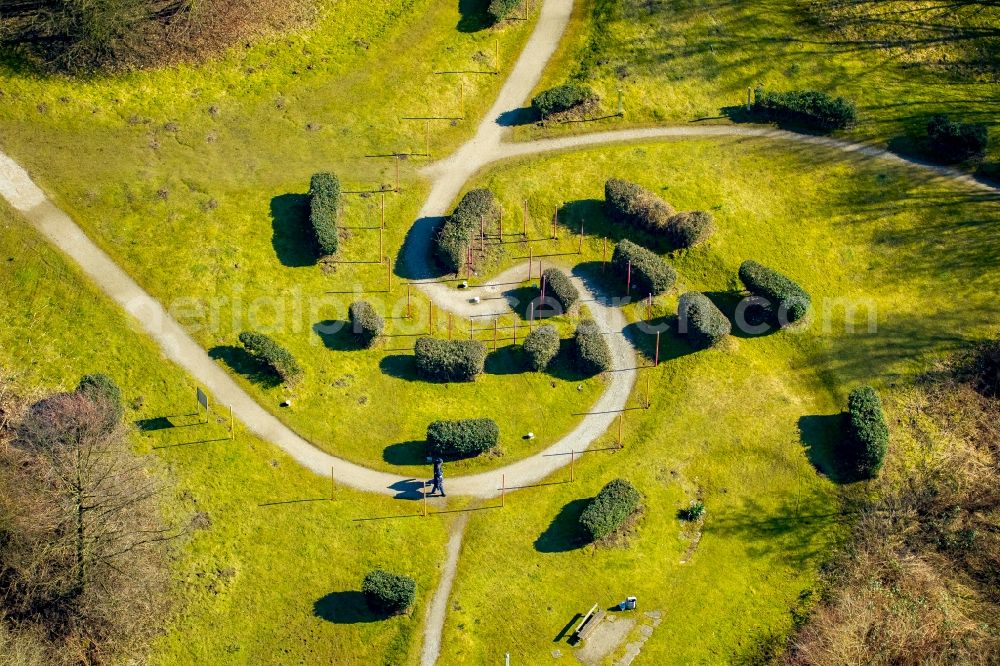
(650, 274)
(559, 286)
(786, 301)
(950, 141)
(564, 98)
(633, 205)
(449, 360)
(810, 108)
(593, 355)
(366, 324)
(453, 240)
(272, 355)
(324, 208)
(868, 434)
(463, 438)
(609, 509)
(541, 346)
(701, 321)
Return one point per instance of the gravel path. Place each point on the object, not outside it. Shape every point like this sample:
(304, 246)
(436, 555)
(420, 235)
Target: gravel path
(436, 612)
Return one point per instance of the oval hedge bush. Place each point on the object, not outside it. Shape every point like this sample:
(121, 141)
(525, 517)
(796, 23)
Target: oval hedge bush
(867, 430)
(951, 141)
(689, 228)
(449, 360)
(103, 390)
(453, 240)
(388, 593)
(650, 273)
(271, 354)
(701, 321)
(366, 324)
(464, 438)
(592, 352)
(634, 205)
(609, 509)
(778, 290)
(806, 107)
(541, 346)
(324, 206)
(559, 286)
(563, 98)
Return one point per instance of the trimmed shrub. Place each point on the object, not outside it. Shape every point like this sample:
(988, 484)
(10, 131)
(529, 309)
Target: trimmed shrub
(650, 273)
(366, 324)
(559, 286)
(810, 108)
(541, 346)
(452, 242)
(690, 228)
(501, 9)
(867, 430)
(700, 321)
(388, 593)
(951, 141)
(778, 290)
(592, 352)
(465, 438)
(609, 509)
(449, 360)
(634, 205)
(694, 512)
(563, 98)
(324, 206)
(271, 354)
(103, 390)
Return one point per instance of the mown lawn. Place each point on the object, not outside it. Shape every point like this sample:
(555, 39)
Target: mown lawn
(745, 427)
(271, 569)
(687, 62)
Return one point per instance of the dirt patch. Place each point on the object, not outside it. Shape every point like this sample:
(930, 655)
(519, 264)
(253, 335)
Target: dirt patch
(605, 639)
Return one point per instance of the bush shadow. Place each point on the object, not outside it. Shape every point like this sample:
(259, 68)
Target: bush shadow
(564, 532)
(742, 115)
(347, 607)
(473, 15)
(563, 366)
(642, 335)
(728, 302)
(400, 366)
(292, 241)
(525, 115)
(419, 243)
(241, 362)
(336, 335)
(823, 437)
(413, 452)
(505, 361)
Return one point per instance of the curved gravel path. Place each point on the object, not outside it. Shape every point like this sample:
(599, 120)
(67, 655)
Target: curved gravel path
(448, 177)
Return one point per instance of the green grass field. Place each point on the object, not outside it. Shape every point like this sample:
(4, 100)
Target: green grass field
(685, 62)
(271, 569)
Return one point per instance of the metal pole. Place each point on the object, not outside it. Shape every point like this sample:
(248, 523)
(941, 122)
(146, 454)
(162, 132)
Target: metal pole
(656, 359)
(380, 252)
(555, 221)
(628, 280)
(531, 256)
(503, 489)
(383, 209)
(496, 65)
(531, 315)
(524, 220)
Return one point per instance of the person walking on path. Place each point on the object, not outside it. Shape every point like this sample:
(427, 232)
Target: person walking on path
(438, 479)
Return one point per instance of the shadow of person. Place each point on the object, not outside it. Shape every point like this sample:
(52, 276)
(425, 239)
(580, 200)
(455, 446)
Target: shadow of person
(291, 238)
(347, 607)
(564, 532)
(409, 489)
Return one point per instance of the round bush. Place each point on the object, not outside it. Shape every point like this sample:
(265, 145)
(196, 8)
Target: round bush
(271, 354)
(609, 509)
(541, 346)
(690, 228)
(779, 291)
(951, 141)
(366, 324)
(650, 273)
(324, 207)
(592, 352)
(464, 438)
(452, 241)
(449, 360)
(867, 430)
(104, 391)
(559, 286)
(563, 98)
(388, 593)
(634, 205)
(501, 9)
(701, 321)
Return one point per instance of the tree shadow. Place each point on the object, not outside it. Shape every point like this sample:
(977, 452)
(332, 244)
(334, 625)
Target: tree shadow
(525, 115)
(347, 607)
(505, 361)
(473, 15)
(241, 362)
(564, 532)
(154, 424)
(824, 438)
(400, 366)
(292, 241)
(752, 315)
(336, 335)
(413, 452)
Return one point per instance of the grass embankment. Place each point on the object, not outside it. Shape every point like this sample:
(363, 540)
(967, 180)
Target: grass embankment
(743, 427)
(271, 570)
(193, 178)
(682, 62)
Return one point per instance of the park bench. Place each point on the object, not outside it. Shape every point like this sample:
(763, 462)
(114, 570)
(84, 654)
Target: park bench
(587, 624)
